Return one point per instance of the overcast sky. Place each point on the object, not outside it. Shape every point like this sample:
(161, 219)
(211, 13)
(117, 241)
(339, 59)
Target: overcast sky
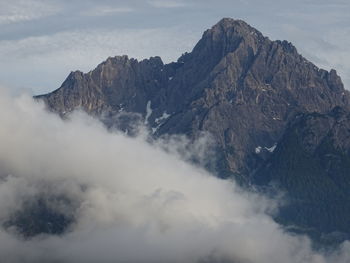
(41, 41)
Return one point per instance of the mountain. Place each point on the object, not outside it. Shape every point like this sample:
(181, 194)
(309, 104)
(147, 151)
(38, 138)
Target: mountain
(250, 93)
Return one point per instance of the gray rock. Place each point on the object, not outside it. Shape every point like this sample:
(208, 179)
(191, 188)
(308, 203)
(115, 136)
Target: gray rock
(311, 163)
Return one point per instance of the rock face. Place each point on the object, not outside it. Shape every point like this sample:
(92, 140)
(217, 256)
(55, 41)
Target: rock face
(236, 84)
(312, 163)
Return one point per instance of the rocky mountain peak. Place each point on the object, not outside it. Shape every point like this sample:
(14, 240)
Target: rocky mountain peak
(236, 84)
(225, 37)
(232, 28)
(273, 114)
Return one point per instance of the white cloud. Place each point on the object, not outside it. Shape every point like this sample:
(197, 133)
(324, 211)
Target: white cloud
(56, 55)
(106, 10)
(132, 201)
(167, 3)
(15, 11)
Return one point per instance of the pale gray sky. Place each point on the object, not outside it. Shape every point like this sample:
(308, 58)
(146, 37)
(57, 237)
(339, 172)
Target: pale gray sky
(41, 41)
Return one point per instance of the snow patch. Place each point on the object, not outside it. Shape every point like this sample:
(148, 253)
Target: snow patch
(148, 111)
(258, 149)
(121, 108)
(272, 148)
(161, 118)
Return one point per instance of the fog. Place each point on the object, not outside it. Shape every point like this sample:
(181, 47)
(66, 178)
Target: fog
(130, 200)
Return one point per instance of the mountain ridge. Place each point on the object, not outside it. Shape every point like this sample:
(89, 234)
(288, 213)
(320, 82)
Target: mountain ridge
(236, 84)
(227, 65)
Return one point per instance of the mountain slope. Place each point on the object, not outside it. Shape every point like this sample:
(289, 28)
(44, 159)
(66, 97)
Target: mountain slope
(312, 163)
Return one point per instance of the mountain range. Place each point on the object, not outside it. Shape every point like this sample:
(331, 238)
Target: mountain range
(277, 120)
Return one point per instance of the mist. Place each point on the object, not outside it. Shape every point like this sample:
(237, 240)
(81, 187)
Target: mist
(128, 199)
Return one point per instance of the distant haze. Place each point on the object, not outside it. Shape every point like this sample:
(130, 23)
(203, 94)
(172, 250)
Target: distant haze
(41, 41)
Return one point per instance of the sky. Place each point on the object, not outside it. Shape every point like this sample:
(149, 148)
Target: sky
(41, 41)
(164, 209)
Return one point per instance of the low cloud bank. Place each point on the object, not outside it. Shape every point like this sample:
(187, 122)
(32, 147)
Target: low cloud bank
(121, 199)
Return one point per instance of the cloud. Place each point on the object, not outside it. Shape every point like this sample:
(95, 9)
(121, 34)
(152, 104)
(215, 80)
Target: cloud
(128, 199)
(106, 10)
(50, 58)
(167, 3)
(16, 11)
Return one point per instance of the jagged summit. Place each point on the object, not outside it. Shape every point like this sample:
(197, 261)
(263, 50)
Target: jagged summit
(231, 27)
(236, 26)
(236, 84)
